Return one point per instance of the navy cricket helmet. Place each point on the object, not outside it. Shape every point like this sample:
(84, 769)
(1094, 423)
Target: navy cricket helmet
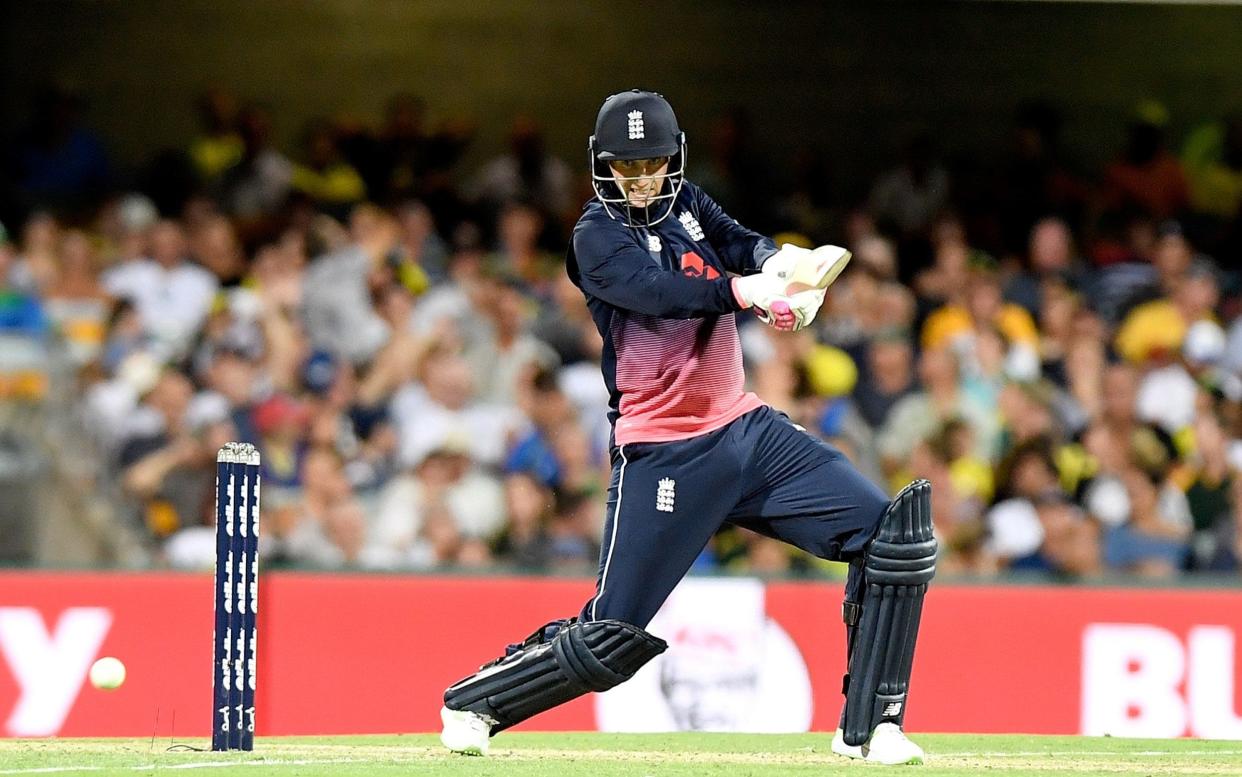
(637, 125)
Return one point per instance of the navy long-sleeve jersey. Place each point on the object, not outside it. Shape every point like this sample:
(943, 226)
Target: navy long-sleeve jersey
(663, 302)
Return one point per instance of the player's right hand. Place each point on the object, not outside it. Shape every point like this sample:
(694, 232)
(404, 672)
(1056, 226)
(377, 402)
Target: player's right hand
(802, 306)
(805, 269)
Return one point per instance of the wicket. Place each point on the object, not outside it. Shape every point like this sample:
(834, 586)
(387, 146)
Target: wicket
(237, 597)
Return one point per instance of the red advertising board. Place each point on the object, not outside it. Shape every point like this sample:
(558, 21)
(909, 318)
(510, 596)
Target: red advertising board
(372, 654)
(53, 626)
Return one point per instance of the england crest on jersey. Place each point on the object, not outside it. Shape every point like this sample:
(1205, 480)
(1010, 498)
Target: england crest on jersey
(691, 225)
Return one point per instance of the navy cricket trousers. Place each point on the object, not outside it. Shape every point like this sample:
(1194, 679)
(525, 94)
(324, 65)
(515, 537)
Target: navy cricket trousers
(760, 472)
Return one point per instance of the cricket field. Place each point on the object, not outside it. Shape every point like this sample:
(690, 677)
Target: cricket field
(605, 755)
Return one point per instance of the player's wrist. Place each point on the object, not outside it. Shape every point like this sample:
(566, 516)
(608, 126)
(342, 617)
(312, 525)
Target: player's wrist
(741, 300)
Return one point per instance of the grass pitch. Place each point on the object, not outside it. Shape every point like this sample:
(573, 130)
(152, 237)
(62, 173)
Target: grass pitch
(605, 755)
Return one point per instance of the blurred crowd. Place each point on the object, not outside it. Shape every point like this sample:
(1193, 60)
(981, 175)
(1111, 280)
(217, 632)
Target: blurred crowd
(1057, 348)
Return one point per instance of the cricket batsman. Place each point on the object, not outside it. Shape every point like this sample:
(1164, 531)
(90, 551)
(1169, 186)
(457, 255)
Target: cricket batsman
(664, 269)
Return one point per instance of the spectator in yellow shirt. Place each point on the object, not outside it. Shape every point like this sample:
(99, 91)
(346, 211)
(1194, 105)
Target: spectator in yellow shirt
(219, 147)
(326, 177)
(1212, 157)
(982, 305)
(1156, 329)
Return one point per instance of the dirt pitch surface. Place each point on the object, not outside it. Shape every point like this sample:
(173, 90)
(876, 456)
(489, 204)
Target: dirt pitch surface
(605, 755)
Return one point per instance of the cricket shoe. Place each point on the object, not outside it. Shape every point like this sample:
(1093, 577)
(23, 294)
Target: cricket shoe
(888, 745)
(465, 732)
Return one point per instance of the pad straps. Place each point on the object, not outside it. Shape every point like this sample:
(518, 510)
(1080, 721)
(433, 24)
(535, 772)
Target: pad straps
(544, 672)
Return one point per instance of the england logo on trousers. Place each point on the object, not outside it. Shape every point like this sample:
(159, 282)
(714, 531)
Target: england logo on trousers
(665, 494)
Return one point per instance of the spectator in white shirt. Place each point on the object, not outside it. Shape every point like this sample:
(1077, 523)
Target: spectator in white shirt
(173, 296)
(508, 350)
(445, 480)
(443, 407)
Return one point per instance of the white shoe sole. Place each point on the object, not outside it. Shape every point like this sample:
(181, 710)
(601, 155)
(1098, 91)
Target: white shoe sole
(840, 748)
(463, 733)
(905, 760)
(903, 752)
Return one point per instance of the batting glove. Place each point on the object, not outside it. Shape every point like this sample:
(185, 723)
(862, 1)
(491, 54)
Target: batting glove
(771, 300)
(805, 269)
